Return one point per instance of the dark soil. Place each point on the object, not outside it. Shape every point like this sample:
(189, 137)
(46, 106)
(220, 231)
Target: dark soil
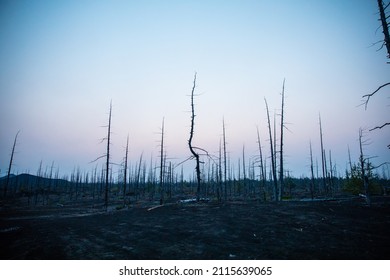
(333, 229)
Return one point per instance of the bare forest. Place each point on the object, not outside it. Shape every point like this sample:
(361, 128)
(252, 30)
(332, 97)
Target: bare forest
(151, 208)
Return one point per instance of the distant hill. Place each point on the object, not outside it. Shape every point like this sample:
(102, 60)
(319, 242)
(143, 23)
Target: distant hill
(28, 179)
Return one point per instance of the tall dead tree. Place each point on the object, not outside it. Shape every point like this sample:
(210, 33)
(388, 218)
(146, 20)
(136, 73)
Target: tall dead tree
(107, 159)
(273, 163)
(382, 7)
(10, 164)
(322, 158)
(312, 173)
(192, 148)
(243, 168)
(125, 171)
(162, 165)
(224, 159)
(138, 176)
(385, 25)
(281, 186)
(362, 162)
(261, 163)
(219, 173)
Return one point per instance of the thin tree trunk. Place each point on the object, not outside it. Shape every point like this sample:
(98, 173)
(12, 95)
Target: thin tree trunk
(281, 147)
(363, 173)
(322, 157)
(330, 173)
(312, 173)
(137, 184)
(125, 171)
(243, 169)
(262, 176)
(219, 192)
(10, 164)
(162, 165)
(349, 161)
(272, 154)
(107, 160)
(195, 154)
(224, 159)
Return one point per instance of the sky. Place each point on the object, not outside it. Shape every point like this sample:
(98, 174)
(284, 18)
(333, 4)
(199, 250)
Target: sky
(63, 62)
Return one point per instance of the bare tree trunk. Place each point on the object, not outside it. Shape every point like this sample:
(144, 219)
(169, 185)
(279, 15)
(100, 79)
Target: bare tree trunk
(312, 173)
(107, 159)
(195, 154)
(385, 26)
(330, 173)
(281, 147)
(10, 164)
(137, 185)
(262, 174)
(243, 169)
(272, 154)
(363, 173)
(224, 159)
(349, 161)
(322, 157)
(162, 165)
(219, 192)
(125, 171)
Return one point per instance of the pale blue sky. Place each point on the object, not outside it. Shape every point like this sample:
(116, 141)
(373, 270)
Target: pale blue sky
(63, 61)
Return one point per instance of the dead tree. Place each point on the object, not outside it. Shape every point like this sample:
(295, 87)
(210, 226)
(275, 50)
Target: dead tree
(125, 171)
(192, 148)
(107, 159)
(385, 42)
(281, 186)
(219, 173)
(243, 169)
(323, 158)
(273, 163)
(362, 162)
(385, 25)
(224, 159)
(138, 176)
(261, 164)
(162, 165)
(331, 174)
(312, 173)
(10, 164)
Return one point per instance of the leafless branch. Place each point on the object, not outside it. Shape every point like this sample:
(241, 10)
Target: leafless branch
(380, 127)
(368, 96)
(384, 163)
(103, 156)
(381, 47)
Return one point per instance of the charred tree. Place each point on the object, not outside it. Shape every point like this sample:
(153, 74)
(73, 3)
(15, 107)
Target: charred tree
(190, 145)
(162, 165)
(382, 7)
(385, 25)
(281, 186)
(273, 164)
(10, 164)
(224, 160)
(322, 158)
(243, 169)
(364, 176)
(261, 163)
(312, 173)
(219, 173)
(125, 171)
(107, 171)
(138, 176)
